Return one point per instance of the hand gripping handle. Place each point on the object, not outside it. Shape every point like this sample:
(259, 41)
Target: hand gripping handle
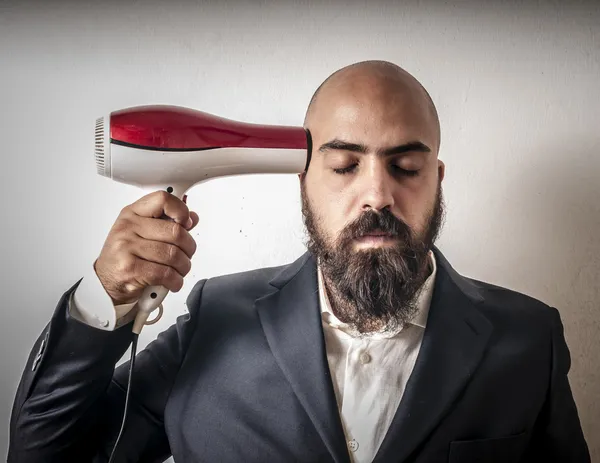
(153, 296)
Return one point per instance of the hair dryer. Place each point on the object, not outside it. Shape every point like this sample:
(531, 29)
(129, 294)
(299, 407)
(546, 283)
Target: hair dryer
(172, 148)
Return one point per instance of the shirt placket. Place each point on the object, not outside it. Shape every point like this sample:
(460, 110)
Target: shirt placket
(359, 404)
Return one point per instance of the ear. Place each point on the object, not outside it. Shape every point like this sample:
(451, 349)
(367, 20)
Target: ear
(441, 169)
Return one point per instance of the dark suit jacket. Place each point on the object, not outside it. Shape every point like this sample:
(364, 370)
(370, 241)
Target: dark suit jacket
(244, 378)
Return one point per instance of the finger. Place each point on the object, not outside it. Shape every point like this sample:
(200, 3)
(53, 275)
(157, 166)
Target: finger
(154, 274)
(159, 204)
(162, 253)
(195, 219)
(164, 231)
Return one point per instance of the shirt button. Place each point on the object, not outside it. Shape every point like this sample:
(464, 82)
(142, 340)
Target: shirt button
(353, 445)
(364, 358)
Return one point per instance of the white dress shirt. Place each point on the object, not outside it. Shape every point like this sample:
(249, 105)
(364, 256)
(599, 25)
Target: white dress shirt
(369, 372)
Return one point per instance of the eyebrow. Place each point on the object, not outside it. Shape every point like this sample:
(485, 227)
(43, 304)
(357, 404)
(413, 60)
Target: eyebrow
(340, 145)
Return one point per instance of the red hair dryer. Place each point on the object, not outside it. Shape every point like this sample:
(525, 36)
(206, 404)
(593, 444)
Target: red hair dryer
(173, 148)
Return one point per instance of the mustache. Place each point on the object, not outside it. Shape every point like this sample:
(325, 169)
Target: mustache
(372, 221)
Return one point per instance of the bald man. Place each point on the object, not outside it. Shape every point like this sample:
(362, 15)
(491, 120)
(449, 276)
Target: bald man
(369, 348)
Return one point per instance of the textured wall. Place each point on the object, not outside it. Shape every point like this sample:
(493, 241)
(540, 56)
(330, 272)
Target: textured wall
(516, 84)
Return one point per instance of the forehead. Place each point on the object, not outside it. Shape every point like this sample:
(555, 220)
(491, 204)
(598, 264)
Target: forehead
(374, 117)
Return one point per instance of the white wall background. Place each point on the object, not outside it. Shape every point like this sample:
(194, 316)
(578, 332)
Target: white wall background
(517, 85)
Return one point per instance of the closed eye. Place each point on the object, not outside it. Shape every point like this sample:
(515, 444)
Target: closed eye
(408, 173)
(398, 170)
(345, 170)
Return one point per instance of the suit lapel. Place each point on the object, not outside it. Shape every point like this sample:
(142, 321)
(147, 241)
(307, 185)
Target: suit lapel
(453, 345)
(291, 320)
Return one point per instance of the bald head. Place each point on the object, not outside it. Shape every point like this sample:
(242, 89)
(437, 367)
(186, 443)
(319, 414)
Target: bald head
(379, 86)
(374, 168)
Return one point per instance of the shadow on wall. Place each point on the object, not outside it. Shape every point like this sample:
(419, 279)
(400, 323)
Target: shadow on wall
(553, 202)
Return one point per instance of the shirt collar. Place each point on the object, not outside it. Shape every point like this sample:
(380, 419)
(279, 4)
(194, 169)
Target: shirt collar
(420, 318)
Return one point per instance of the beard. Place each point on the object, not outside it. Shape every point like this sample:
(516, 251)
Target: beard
(374, 289)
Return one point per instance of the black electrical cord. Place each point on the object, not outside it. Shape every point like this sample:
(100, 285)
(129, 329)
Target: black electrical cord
(131, 364)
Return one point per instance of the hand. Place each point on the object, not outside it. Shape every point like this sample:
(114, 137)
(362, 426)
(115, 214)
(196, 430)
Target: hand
(142, 249)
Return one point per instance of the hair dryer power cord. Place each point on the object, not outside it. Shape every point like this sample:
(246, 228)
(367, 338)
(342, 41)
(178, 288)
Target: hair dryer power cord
(131, 365)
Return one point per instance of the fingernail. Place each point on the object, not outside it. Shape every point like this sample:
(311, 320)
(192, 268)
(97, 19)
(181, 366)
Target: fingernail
(190, 222)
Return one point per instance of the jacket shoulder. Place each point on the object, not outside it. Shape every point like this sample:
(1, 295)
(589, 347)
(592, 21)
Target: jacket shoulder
(235, 291)
(253, 282)
(505, 303)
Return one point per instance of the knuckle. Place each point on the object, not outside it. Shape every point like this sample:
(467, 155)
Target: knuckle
(185, 266)
(120, 245)
(163, 196)
(171, 279)
(193, 246)
(125, 266)
(168, 273)
(178, 259)
(129, 287)
(126, 211)
(127, 215)
(156, 274)
(176, 231)
(118, 227)
(186, 243)
(172, 253)
(123, 224)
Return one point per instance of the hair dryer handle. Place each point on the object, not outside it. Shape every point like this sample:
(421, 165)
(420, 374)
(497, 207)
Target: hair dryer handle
(153, 296)
(150, 300)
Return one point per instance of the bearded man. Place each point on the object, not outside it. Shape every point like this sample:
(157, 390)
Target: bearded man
(369, 348)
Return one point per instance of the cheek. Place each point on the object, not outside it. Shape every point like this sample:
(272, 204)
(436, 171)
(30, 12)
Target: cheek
(330, 208)
(334, 216)
(414, 205)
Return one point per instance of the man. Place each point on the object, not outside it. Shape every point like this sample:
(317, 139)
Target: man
(370, 347)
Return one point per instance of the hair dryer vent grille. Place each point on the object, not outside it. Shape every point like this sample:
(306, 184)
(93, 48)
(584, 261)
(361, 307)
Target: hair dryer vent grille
(101, 159)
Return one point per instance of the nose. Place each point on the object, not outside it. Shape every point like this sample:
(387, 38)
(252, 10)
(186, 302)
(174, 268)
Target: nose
(377, 187)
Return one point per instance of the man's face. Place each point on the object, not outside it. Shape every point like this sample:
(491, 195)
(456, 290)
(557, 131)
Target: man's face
(372, 201)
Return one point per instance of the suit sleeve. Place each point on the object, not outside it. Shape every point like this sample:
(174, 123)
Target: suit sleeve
(558, 437)
(70, 400)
